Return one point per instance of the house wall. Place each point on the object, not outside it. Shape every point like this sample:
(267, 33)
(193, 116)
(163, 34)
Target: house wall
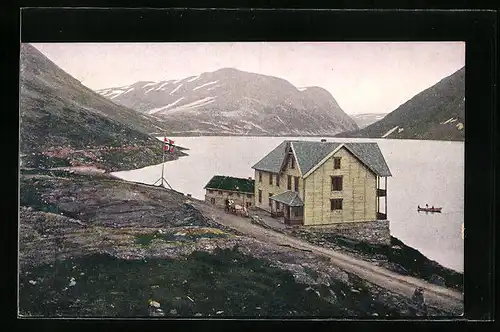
(358, 194)
(274, 189)
(221, 195)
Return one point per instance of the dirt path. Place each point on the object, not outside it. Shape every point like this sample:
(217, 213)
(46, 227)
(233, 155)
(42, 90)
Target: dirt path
(436, 296)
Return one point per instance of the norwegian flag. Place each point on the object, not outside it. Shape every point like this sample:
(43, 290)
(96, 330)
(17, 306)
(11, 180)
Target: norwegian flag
(169, 145)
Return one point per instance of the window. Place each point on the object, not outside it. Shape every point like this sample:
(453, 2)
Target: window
(336, 183)
(298, 211)
(277, 180)
(336, 163)
(260, 176)
(271, 179)
(219, 192)
(249, 195)
(212, 200)
(260, 196)
(210, 191)
(336, 204)
(296, 184)
(289, 182)
(270, 201)
(230, 194)
(237, 194)
(292, 162)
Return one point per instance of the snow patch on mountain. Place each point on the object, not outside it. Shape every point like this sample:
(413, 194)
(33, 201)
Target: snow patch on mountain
(177, 88)
(194, 78)
(450, 120)
(213, 87)
(161, 86)
(149, 84)
(159, 109)
(194, 104)
(279, 119)
(201, 86)
(116, 93)
(250, 124)
(389, 132)
(149, 90)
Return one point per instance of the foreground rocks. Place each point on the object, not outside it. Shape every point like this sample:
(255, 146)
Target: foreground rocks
(396, 256)
(94, 245)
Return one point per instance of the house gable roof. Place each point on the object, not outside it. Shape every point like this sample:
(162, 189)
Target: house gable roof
(311, 154)
(273, 160)
(219, 182)
(371, 156)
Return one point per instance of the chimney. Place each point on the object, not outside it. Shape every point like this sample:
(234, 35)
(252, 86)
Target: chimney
(249, 178)
(188, 195)
(323, 140)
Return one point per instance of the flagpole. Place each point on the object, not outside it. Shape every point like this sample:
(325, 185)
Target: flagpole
(163, 159)
(162, 179)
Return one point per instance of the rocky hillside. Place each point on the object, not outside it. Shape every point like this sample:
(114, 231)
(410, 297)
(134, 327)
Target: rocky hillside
(233, 102)
(94, 246)
(366, 119)
(437, 113)
(63, 123)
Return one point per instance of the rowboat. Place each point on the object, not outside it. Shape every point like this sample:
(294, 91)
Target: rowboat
(431, 209)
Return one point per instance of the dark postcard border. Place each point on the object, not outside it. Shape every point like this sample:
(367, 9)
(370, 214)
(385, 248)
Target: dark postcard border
(477, 28)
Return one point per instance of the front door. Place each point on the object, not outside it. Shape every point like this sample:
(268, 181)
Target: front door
(286, 210)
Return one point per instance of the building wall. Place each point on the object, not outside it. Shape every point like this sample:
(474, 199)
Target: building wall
(274, 189)
(220, 197)
(375, 232)
(358, 194)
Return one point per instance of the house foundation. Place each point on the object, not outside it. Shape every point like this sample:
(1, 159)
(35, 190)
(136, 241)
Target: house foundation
(373, 232)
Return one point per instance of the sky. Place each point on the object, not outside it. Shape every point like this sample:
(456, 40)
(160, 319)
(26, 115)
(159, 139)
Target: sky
(363, 77)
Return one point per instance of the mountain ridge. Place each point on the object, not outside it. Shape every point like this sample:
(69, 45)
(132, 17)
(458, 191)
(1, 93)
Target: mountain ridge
(64, 123)
(232, 101)
(436, 113)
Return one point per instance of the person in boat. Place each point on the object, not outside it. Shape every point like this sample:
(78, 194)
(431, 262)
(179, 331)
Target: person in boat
(426, 206)
(418, 207)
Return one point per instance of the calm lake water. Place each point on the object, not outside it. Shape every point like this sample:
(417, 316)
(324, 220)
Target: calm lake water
(423, 172)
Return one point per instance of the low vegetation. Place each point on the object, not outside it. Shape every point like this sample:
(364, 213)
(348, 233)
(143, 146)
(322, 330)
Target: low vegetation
(224, 283)
(397, 257)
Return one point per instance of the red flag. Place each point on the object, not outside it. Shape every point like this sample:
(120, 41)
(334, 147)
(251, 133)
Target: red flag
(169, 145)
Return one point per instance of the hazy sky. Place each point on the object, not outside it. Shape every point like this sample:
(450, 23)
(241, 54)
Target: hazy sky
(369, 77)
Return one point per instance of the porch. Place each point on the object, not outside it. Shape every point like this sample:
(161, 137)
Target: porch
(288, 208)
(381, 198)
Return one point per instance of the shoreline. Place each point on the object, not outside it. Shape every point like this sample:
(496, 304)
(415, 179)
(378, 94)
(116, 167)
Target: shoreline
(328, 136)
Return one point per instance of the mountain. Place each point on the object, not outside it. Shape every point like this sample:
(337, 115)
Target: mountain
(64, 123)
(366, 119)
(437, 113)
(233, 102)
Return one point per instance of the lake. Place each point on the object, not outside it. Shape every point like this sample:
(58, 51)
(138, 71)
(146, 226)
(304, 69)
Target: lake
(423, 172)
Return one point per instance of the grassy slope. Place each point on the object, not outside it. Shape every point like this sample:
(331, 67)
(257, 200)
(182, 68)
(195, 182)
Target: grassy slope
(54, 250)
(422, 115)
(57, 111)
(397, 257)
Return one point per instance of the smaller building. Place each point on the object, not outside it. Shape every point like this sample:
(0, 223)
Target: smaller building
(220, 188)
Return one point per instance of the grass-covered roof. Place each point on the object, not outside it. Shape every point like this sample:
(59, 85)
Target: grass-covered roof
(219, 182)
